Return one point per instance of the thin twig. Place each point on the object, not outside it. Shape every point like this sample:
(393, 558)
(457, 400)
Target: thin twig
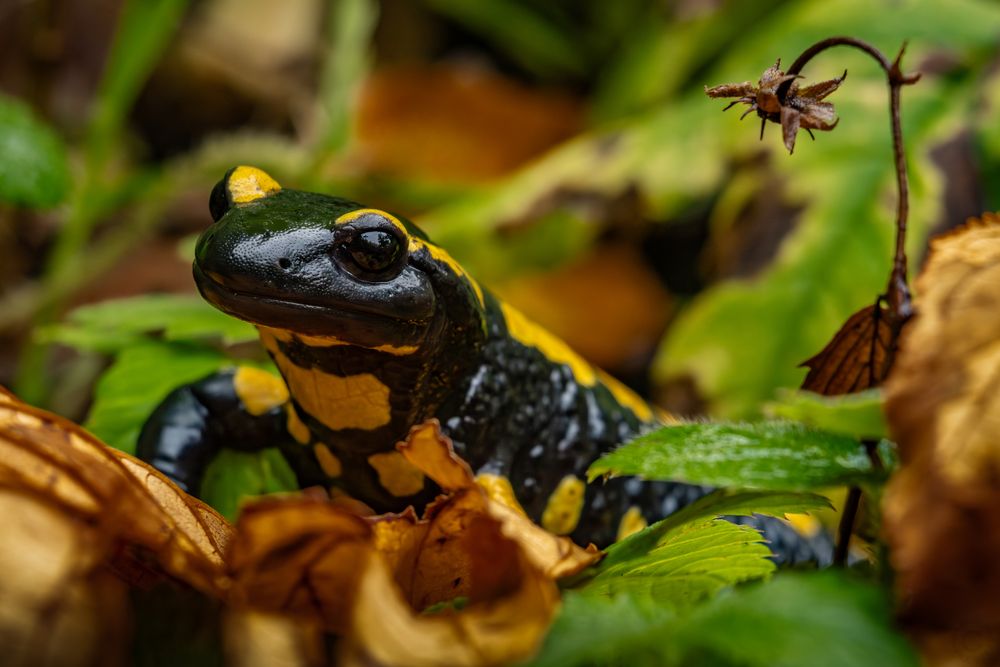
(898, 308)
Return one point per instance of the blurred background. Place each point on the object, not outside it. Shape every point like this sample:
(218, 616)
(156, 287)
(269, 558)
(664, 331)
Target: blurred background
(563, 151)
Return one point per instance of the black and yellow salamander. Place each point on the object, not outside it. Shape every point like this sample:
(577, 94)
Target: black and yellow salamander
(374, 329)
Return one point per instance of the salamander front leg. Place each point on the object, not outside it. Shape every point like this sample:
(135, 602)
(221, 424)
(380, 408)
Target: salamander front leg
(242, 409)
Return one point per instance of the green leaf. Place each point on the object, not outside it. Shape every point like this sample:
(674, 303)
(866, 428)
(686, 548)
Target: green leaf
(820, 619)
(235, 476)
(109, 326)
(140, 378)
(719, 503)
(769, 455)
(688, 564)
(858, 415)
(34, 171)
(606, 631)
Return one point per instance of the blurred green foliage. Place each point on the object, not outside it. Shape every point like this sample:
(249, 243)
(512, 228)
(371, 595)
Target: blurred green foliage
(33, 171)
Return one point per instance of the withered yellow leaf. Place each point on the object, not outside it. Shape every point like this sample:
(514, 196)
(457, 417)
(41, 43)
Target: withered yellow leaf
(943, 408)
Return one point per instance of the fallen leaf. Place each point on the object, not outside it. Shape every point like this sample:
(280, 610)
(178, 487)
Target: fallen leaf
(372, 578)
(943, 408)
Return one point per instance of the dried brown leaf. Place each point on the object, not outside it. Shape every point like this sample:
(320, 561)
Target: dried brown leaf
(130, 502)
(856, 359)
(57, 606)
(299, 556)
(372, 578)
(943, 408)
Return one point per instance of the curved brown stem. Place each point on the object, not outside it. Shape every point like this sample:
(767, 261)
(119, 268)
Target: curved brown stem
(897, 295)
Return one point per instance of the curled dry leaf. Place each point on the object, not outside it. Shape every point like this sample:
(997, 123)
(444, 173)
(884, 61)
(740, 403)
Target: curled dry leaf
(857, 358)
(135, 510)
(482, 564)
(943, 408)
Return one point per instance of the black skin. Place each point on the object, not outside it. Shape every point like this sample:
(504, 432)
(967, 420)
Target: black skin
(281, 262)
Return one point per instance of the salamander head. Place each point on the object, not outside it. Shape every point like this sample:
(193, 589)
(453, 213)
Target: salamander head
(323, 266)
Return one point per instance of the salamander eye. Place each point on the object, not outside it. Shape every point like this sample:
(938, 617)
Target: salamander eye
(374, 251)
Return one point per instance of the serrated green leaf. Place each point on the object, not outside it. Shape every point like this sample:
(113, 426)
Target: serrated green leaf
(600, 631)
(139, 379)
(820, 619)
(858, 415)
(722, 502)
(235, 476)
(112, 325)
(768, 455)
(34, 171)
(690, 563)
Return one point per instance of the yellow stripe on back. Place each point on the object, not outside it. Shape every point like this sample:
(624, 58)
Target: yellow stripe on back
(528, 333)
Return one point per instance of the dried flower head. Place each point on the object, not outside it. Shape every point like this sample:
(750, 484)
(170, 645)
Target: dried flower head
(802, 108)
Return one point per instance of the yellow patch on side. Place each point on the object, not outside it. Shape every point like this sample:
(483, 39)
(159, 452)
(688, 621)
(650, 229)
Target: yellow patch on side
(398, 350)
(498, 489)
(258, 390)
(528, 333)
(294, 425)
(328, 461)
(269, 336)
(247, 184)
(355, 401)
(442, 256)
(562, 511)
(805, 525)
(631, 523)
(397, 475)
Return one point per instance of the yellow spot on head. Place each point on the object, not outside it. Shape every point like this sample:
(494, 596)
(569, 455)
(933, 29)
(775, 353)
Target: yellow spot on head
(295, 426)
(247, 184)
(498, 489)
(258, 390)
(397, 475)
(361, 212)
(562, 511)
(632, 522)
(328, 461)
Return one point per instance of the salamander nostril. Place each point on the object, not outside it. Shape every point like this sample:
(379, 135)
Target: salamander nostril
(285, 263)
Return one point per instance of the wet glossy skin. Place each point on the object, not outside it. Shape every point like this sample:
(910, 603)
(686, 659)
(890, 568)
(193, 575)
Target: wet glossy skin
(375, 329)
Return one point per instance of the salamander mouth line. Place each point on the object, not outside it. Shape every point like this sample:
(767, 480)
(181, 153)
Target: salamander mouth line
(300, 316)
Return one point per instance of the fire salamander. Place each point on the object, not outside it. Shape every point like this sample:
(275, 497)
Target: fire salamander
(374, 329)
